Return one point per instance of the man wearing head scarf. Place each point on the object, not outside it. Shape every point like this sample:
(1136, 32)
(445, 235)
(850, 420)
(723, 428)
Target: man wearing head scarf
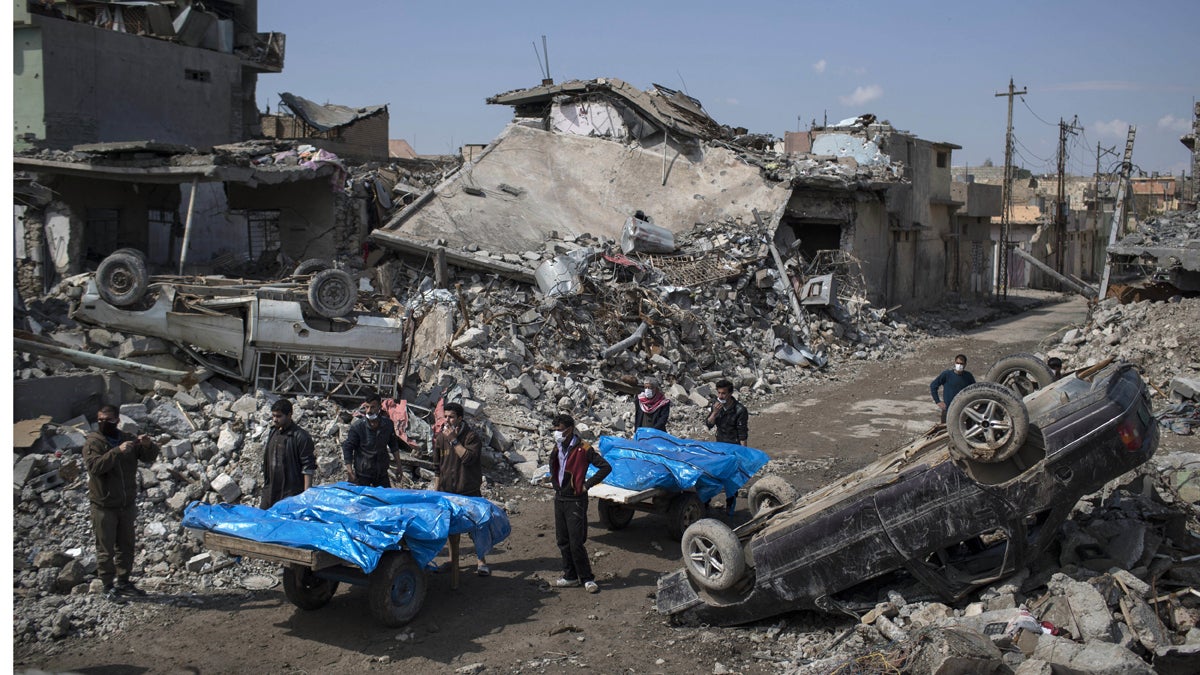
(652, 408)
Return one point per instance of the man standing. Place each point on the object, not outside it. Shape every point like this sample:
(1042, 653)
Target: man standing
(569, 461)
(458, 470)
(951, 382)
(729, 416)
(369, 445)
(289, 457)
(111, 458)
(652, 408)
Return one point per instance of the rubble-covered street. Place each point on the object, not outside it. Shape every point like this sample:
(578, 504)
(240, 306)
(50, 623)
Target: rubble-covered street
(1116, 590)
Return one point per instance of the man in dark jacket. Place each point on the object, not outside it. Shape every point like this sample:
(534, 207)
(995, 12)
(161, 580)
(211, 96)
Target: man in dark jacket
(289, 457)
(569, 461)
(652, 408)
(456, 456)
(729, 416)
(370, 446)
(951, 382)
(111, 458)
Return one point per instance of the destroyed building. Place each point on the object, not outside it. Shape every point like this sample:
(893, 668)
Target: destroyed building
(186, 74)
(359, 134)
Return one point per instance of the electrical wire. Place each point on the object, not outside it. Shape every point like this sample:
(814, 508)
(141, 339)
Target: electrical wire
(1026, 104)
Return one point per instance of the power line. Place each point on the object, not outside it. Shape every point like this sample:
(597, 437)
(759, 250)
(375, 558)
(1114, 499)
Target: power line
(1049, 124)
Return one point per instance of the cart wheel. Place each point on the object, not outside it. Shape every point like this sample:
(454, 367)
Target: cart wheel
(311, 266)
(307, 590)
(769, 492)
(332, 293)
(684, 510)
(396, 589)
(713, 554)
(121, 278)
(987, 423)
(614, 516)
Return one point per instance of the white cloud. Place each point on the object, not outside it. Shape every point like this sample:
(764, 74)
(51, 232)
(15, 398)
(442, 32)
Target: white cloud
(819, 66)
(1117, 128)
(732, 101)
(862, 95)
(1170, 122)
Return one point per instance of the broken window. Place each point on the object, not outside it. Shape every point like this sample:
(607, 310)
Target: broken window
(196, 75)
(262, 231)
(943, 159)
(161, 225)
(103, 226)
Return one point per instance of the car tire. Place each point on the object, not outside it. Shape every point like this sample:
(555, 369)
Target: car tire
(396, 589)
(713, 555)
(121, 278)
(305, 589)
(132, 251)
(1022, 373)
(683, 510)
(332, 293)
(987, 423)
(769, 492)
(311, 266)
(614, 516)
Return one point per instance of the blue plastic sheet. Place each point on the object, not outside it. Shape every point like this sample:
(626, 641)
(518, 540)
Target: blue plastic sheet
(656, 459)
(358, 524)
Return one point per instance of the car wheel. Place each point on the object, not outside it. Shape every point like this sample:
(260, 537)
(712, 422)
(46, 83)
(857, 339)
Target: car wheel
(684, 510)
(987, 423)
(614, 516)
(1022, 373)
(770, 492)
(331, 293)
(713, 554)
(396, 589)
(121, 278)
(132, 251)
(311, 266)
(305, 589)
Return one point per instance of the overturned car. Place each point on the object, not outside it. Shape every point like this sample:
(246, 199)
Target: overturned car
(963, 506)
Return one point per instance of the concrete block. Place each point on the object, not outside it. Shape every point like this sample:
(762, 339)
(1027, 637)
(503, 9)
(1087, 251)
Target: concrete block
(186, 400)
(172, 420)
(228, 441)
(197, 562)
(472, 337)
(1185, 388)
(178, 501)
(954, 651)
(1096, 657)
(25, 468)
(177, 448)
(529, 386)
(245, 406)
(135, 411)
(472, 407)
(142, 346)
(71, 440)
(227, 488)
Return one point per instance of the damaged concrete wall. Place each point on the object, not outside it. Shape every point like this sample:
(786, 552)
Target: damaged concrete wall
(108, 86)
(310, 225)
(577, 185)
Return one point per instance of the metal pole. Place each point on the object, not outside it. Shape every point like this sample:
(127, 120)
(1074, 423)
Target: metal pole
(187, 225)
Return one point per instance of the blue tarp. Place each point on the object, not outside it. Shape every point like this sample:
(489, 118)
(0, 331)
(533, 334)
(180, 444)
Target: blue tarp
(357, 524)
(655, 458)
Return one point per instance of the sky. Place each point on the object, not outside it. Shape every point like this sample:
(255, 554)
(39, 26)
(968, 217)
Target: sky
(932, 68)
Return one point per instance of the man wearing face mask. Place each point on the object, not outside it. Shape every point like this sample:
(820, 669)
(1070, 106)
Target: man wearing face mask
(370, 445)
(652, 408)
(729, 416)
(111, 458)
(456, 457)
(569, 461)
(289, 457)
(951, 382)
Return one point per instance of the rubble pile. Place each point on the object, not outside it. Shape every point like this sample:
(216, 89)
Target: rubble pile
(1171, 230)
(1116, 594)
(1162, 337)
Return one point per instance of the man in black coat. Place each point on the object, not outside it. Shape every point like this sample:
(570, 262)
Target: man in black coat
(370, 446)
(289, 457)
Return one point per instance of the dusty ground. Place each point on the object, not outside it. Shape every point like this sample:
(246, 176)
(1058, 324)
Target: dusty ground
(513, 621)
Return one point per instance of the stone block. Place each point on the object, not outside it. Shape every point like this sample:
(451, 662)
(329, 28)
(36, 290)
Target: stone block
(71, 440)
(227, 488)
(186, 400)
(27, 467)
(471, 337)
(177, 448)
(1085, 603)
(197, 562)
(178, 501)
(471, 407)
(245, 406)
(529, 387)
(135, 411)
(171, 420)
(44, 559)
(142, 346)
(228, 441)
(954, 651)
(1095, 658)
(1185, 388)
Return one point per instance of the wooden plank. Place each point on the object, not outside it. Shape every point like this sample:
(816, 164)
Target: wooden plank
(623, 495)
(288, 555)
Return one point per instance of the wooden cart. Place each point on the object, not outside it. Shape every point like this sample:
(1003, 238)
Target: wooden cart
(395, 589)
(618, 504)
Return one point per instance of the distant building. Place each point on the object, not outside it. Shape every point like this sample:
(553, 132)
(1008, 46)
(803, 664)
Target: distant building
(88, 72)
(1154, 194)
(354, 133)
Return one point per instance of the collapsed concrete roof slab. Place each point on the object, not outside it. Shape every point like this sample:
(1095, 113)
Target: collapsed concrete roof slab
(672, 110)
(203, 172)
(577, 185)
(328, 116)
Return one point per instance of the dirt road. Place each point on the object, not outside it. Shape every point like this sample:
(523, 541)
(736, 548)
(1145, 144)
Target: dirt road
(513, 621)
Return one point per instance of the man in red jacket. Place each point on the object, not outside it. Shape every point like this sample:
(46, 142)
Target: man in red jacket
(569, 461)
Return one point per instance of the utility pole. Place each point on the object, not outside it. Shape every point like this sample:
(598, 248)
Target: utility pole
(1006, 213)
(1060, 202)
(1118, 218)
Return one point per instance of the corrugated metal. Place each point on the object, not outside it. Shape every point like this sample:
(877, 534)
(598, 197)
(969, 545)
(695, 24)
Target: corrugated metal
(326, 117)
